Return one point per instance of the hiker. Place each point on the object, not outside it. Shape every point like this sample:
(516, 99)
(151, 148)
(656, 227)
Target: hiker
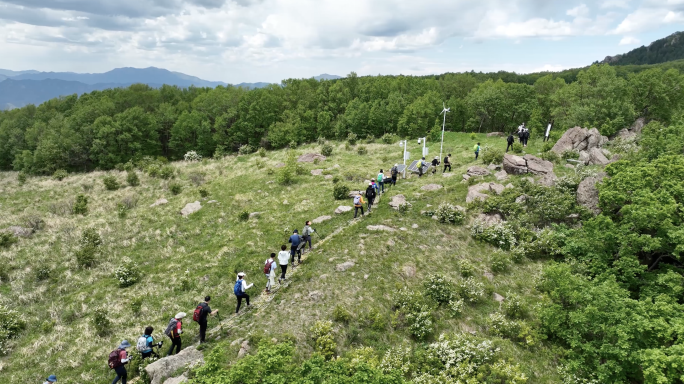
(510, 141)
(370, 195)
(51, 379)
(174, 331)
(521, 133)
(375, 186)
(381, 182)
(295, 239)
(118, 360)
(269, 271)
(435, 163)
(358, 204)
(526, 136)
(476, 148)
(283, 258)
(202, 311)
(421, 164)
(447, 163)
(145, 343)
(394, 172)
(307, 232)
(240, 290)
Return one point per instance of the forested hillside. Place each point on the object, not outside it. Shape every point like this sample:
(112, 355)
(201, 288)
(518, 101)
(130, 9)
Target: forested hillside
(670, 48)
(102, 129)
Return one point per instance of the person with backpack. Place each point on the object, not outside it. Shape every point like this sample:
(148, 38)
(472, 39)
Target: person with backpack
(240, 290)
(394, 172)
(118, 359)
(295, 240)
(420, 165)
(447, 163)
(476, 148)
(370, 195)
(435, 163)
(381, 183)
(51, 379)
(174, 331)
(202, 311)
(510, 140)
(307, 232)
(269, 271)
(521, 133)
(146, 343)
(358, 204)
(526, 136)
(283, 259)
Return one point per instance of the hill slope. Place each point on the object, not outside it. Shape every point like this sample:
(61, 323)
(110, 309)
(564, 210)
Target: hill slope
(660, 51)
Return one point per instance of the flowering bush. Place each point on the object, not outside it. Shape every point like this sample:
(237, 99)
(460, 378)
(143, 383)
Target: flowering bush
(449, 214)
(456, 307)
(420, 324)
(407, 299)
(245, 149)
(503, 372)
(397, 359)
(499, 262)
(324, 341)
(438, 288)
(500, 235)
(471, 291)
(466, 268)
(513, 306)
(11, 325)
(462, 349)
(192, 156)
(352, 138)
(363, 355)
(511, 329)
(127, 273)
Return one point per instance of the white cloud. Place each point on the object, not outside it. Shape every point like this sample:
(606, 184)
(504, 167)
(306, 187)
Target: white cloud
(579, 11)
(624, 4)
(629, 40)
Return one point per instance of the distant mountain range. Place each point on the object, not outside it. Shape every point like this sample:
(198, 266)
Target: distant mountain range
(19, 88)
(667, 49)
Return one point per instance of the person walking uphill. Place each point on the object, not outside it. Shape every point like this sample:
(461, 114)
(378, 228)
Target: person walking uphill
(370, 195)
(307, 232)
(50, 379)
(145, 343)
(476, 148)
(174, 331)
(381, 183)
(118, 360)
(283, 258)
(447, 163)
(435, 164)
(295, 240)
(240, 290)
(510, 140)
(421, 164)
(394, 172)
(358, 204)
(269, 271)
(202, 312)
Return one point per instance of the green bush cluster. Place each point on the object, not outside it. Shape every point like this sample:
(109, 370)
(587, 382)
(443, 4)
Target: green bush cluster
(361, 150)
(340, 191)
(175, 188)
(245, 149)
(327, 150)
(11, 324)
(243, 216)
(21, 178)
(203, 192)
(352, 138)
(101, 322)
(449, 214)
(341, 314)
(262, 152)
(89, 248)
(323, 338)
(517, 148)
(389, 138)
(7, 239)
(81, 205)
(127, 273)
(491, 155)
(60, 174)
(132, 178)
(110, 183)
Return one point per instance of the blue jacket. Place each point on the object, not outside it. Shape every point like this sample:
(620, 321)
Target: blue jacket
(295, 240)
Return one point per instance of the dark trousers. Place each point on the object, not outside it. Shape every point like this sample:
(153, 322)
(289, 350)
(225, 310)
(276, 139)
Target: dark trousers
(394, 180)
(283, 270)
(477, 153)
(420, 172)
(381, 186)
(239, 300)
(203, 330)
(307, 239)
(293, 250)
(149, 354)
(510, 145)
(370, 203)
(445, 168)
(175, 343)
(356, 209)
(120, 374)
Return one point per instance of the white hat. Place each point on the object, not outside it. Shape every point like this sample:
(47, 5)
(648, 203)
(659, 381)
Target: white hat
(370, 183)
(242, 274)
(180, 315)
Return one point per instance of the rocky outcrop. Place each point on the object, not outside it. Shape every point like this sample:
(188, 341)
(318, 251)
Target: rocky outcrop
(548, 180)
(489, 220)
(321, 219)
(588, 194)
(244, 349)
(475, 192)
(159, 202)
(342, 209)
(514, 165)
(177, 380)
(579, 139)
(517, 165)
(191, 208)
(501, 175)
(167, 366)
(310, 157)
(477, 171)
(397, 201)
(597, 157)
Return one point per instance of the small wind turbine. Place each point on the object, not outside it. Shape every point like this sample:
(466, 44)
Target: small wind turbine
(445, 110)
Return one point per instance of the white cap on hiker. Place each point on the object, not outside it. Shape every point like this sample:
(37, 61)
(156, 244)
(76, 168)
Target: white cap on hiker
(180, 315)
(370, 183)
(242, 274)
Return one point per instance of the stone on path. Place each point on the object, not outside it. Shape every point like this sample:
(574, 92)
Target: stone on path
(344, 266)
(380, 228)
(191, 208)
(159, 202)
(244, 349)
(397, 200)
(498, 297)
(342, 209)
(476, 170)
(167, 366)
(321, 219)
(431, 187)
(355, 193)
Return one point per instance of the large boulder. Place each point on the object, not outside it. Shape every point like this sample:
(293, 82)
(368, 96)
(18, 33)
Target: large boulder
(167, 366)
(177, 380)
(496, 188)
(477, 171)
(513, 164)
(638, 125)
(475, 192)
(397, 201)
(594, 139)
(191, 208)
(310, 157)
(548, 180)
(584, 157)
(501, 175)
(570, 140)
(587, 193)
(538, 166)
(597, 157)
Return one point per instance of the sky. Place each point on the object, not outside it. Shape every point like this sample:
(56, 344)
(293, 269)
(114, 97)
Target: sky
(270, 40)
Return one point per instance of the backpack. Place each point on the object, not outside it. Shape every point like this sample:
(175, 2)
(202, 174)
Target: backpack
(380, 177)
(198, 311)
(267, 267)
(357, 200)
(394, 171)
(172, 325)
(237, 290)
(141, 345)
(114, 359)
(446, 160)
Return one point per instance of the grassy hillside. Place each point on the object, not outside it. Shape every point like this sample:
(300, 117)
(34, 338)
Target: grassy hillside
(183, 259)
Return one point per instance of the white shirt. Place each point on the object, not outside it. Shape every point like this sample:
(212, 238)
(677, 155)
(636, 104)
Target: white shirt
(283, 257)
(273, 265)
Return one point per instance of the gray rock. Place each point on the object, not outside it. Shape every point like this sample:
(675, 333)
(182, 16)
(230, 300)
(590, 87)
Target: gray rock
(397, 201)
(501, 175)
(596, 157)
(431, 187)
(254, 215)
(466, 177)
(594, 139)
(167, 366)
(342, 209)
(606, 153)
(573, 138)
(496, 134)
(515, 165)
(521, 199)
(538, 166)
(498, 297)
(244, 349)
(177, 380)
(212, 202)
(509, 185)
(310, 157)
(409, 270)
(624, 134)
(380, 228)
(316, 172)
(344, 266)
(489, 219)
(191, 208)
(587, 193)
(489, 276)
(20, 231)
(355, 193)
(159, 202)
(638, 125)
(568, 165)
(496, 188)
(328, 177)
(447, 174)
(414, 226)
(477, 171)
(475, 192)
(280, 165)
(321, 219)
(584, 157)
(316, 295)
(548, 180)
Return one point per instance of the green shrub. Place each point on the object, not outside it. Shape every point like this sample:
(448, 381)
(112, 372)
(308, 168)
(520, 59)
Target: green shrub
(466, 268)
(119, 167)
(327, 150)
(85, 256)
(175, 188)
(293, 144)
(287, 173)
(389, 138)
(347, 146)
(547, 146)
(321, 140)
(340, 191)
(21, 177)
(89, 248)
(438, 288)
(121, 210)
(550, 156)
(132, 179)
(136, 305)
(60, 174)
(203, 192)
(47, 326)
(420, 324)
(336, 179)
(456, 307)
(300, 170)
(197, 178)
(43, 272)
(570, 155)
(110, 183)
(153, 170)
(471, 290)
(262, 152)
(127, 273)
(514, 307)
(323, 338)
(81, 205)
(245, 149)
(404, 207)
(129, 166)
(11, 324)
(370, 139)
(7, 239)
(473, 136)
(499, 235)
(449, 214)
(341, 315)
(374, 319)
(100, 321)
(491, 155)
(499, 262)
(361, 150)
(352, 138)
(517, 148)
(243, 216)
(167, 172)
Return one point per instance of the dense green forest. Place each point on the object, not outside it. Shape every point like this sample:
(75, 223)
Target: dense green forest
(105, 128)
(660, 51)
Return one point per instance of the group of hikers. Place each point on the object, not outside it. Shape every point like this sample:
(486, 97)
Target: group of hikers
(422, 163)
